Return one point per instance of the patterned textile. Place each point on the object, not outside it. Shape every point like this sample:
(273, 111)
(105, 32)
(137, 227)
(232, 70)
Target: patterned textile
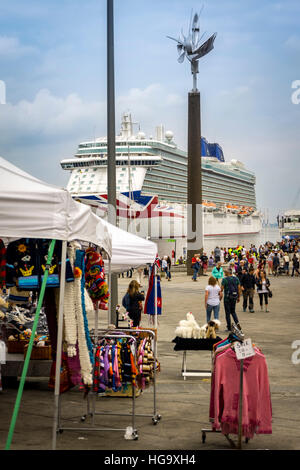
(95, 278)
(2, 265)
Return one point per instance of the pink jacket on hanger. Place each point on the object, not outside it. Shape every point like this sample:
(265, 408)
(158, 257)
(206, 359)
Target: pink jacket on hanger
(225, 387)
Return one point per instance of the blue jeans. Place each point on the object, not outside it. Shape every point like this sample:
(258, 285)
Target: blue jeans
(195, 273)
(209, 309)
(168, 274)
(229, 306)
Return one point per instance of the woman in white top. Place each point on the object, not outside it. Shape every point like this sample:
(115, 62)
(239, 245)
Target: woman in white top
(213, 297)
(263, 285)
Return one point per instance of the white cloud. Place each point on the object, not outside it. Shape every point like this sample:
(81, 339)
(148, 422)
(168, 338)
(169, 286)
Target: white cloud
(236, 92)
(12, 48)
(293, 42)
(41, 132)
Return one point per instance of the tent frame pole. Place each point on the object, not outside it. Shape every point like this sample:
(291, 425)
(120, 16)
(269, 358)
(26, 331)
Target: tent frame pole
(56, 420)
(30, 346)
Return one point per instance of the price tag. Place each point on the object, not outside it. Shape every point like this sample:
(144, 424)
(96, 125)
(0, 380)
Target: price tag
(244, 350)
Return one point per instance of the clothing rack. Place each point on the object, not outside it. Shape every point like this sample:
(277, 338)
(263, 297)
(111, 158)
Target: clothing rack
(239, 337)
(134, 434)
(156, 417)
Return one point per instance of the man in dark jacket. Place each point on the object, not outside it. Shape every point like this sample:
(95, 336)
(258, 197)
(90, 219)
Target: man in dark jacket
(248, 286)
(276, 263)
(231, 288)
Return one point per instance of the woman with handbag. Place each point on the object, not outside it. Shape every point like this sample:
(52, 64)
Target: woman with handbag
(135, 306)
(263, 289)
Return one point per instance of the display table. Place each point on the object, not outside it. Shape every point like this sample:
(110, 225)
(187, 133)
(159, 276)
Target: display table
(15, 362)
(190, 344)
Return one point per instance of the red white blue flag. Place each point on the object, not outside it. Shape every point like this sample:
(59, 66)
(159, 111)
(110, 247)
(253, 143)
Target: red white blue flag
(149, 307)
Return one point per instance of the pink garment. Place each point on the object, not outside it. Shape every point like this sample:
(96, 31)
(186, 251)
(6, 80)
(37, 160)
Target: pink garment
(224, 399)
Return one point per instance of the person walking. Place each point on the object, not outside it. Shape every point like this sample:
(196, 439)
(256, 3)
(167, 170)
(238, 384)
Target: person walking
(204, 261)
(135, 300)
(295, 262)
(195, 266)
(218, 272)
(263, 285)
(286, 258)
(213, 297)
(169, 267)
(275, 263)
(270, 262)
(248, 286)
(217, 254)
(231, 288)
(165, 268)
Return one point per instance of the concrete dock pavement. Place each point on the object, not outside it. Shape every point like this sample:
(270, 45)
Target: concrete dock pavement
(183, 404)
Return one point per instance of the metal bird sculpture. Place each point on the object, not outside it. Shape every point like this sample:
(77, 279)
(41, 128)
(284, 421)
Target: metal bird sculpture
(190, 46)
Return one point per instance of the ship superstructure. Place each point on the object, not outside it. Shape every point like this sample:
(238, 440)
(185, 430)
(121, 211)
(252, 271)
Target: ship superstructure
(151, 179)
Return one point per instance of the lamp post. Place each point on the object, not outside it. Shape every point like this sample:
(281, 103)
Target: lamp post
(111, 148)
(193, 49)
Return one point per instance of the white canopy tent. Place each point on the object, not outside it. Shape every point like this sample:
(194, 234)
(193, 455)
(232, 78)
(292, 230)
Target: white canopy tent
(30, 208)
(128, 250)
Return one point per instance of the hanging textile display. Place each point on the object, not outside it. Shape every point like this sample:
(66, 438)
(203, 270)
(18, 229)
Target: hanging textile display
(225, 392)
(149, 307)
(26, 263)
(77, 305)
(118, 364)
(95, 278)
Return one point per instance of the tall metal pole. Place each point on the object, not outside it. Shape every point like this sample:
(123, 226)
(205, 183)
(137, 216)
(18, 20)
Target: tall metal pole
(195, 211)
(111, 146)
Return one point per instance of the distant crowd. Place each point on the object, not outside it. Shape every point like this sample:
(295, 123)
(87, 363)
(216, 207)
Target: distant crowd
(245, 271)
(275, 258)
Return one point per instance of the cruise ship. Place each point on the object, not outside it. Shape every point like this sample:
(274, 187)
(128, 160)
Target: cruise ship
(151, 180)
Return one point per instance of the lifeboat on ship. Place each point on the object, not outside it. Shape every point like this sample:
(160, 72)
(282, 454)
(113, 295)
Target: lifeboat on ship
(232, 208)
(209, 206)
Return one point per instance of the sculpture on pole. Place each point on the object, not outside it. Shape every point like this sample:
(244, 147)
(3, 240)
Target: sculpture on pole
(193, 48)
(190, 47)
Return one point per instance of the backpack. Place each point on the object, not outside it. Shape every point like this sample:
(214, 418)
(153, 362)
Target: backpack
(232, 287)
(126, 301)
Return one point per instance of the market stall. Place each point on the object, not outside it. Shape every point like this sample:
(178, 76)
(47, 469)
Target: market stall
(30, 208)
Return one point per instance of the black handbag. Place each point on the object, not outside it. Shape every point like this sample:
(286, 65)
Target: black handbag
(270, 293)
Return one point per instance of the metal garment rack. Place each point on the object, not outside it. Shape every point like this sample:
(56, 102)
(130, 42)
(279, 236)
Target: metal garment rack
(134, 435)
(155, 416)
(240, 335)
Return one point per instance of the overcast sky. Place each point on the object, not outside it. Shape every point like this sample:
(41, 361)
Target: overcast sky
(53, 63)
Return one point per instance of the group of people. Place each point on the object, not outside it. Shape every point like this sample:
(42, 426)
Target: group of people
(231, 287)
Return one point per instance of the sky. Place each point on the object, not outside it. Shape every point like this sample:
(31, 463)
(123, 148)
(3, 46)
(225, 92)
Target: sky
(53, 66)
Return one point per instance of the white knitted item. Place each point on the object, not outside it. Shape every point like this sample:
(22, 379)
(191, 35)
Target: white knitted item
(84, 355)
(74, 330)
(70, 324)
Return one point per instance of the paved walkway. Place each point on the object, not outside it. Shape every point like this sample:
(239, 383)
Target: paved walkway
(182, 404)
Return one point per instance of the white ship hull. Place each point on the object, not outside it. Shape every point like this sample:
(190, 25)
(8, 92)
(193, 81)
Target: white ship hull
(160, 220)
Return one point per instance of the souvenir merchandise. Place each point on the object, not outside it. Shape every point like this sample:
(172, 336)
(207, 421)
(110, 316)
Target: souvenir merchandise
(149, 307)
(95, 278)
(118, 364)
(26, 263)
(225, 391)
(189, 328)
(2, 264)
(76, 306)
